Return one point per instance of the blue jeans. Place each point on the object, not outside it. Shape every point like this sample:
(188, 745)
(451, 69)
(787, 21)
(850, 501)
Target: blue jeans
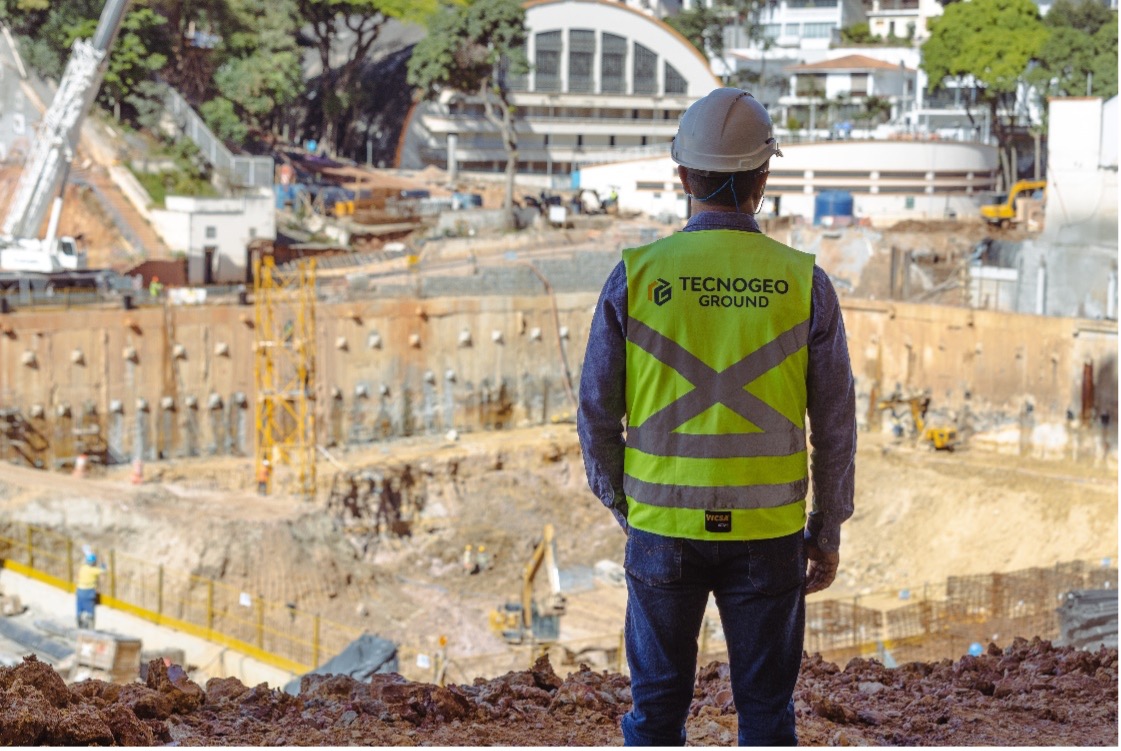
(86, 600)
(758, 589)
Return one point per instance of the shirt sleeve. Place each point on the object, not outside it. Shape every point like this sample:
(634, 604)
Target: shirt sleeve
(831, 405)
(599, 419)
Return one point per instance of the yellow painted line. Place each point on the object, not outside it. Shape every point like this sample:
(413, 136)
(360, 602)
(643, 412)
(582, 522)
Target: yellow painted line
(31, 573)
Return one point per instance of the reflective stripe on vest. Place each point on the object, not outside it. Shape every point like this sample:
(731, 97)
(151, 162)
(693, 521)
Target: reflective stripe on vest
(716, 406)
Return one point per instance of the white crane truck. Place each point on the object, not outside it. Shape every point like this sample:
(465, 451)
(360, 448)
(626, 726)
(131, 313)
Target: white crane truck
(52, 260)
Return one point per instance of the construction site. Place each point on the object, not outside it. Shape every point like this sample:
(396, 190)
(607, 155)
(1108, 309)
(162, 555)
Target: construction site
(338, 497)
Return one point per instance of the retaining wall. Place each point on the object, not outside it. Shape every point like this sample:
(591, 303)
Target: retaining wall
(179, 380)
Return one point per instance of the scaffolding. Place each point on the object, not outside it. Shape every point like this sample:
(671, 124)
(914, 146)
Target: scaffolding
(284, 370)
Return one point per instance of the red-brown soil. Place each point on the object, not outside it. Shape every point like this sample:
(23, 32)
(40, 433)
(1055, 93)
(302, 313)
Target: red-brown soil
(1026, 694)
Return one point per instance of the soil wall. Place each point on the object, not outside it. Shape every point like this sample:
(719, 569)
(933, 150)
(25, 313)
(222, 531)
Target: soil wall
(179, 380)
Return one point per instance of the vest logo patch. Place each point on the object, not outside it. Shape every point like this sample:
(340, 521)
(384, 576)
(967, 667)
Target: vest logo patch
(659, 292)
(718, 521)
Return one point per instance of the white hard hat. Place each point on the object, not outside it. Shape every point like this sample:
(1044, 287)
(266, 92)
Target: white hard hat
(725, 131)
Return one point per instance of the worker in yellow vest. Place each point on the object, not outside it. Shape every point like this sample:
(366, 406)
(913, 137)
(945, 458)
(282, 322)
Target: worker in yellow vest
(89, 574)
(264, 472)
(708, 349)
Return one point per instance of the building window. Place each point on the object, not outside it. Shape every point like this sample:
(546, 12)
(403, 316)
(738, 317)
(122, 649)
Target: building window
(581, 56)
(547, 61)
(772, 30)
(211, 233)
(859, 85)
(809, 84)
(252, 232)
(645, 70)
(790, 30)
(817, 30)
(611, 140)
(675, 82)
(613, 65)
(579, 141)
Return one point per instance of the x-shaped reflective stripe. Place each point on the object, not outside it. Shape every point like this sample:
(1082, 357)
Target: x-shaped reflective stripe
(780, 436)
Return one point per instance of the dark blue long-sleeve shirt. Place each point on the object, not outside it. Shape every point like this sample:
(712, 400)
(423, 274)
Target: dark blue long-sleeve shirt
(831, 403)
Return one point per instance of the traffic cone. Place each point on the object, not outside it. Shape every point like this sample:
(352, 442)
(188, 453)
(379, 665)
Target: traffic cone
(80, 465)
(137, 472)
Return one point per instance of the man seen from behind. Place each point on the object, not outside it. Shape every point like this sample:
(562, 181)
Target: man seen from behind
(714, 345)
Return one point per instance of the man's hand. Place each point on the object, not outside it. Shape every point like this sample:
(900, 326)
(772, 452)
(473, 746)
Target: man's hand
(821, 568)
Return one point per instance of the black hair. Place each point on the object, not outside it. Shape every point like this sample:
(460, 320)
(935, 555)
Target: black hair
(715, 188)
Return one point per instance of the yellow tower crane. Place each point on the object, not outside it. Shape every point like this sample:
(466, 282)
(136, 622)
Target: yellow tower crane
(284, 370)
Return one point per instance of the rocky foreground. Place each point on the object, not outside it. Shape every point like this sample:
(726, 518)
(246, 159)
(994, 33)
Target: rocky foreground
(1029, 693)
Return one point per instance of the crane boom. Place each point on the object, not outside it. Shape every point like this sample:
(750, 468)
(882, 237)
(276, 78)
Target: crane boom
(47, 164)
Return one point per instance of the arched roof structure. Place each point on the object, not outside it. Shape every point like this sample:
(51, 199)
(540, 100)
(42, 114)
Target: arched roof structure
(607, 82)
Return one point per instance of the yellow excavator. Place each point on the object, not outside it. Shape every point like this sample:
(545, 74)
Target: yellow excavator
(528, 620)
(1003, 211)
(940, 437)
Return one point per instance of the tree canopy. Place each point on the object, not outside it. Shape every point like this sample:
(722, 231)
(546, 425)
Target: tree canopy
(990, 41)
(1079, 56)
(473, 50)
(261, 72)
(987, 44)
(358, 23)
(703, 27)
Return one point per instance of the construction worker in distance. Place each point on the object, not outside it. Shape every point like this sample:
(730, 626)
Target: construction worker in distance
(155, 287)
(482, 559)
(263, 472)
(89, 574)
(713, 345)
(470, 565)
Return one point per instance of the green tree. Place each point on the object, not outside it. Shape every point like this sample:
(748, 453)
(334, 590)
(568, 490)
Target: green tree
(1079, 53)
(703, 27)
(877, 109)
(197, 30)
(44, 30)
(472, 50)
(988, 42)
(261, 73)
(860, 33)
(1086, 16)
(222, 117)
(356, 23)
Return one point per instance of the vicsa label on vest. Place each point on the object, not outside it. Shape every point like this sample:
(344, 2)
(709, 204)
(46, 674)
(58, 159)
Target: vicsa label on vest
(733, 292)
(718, 521)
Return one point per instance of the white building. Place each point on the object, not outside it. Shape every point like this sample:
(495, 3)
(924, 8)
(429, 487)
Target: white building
(902, 19)
(606, 81)
(1071, 269)
(215, 233)
(889, 181)
(838, 90)
(798, 24)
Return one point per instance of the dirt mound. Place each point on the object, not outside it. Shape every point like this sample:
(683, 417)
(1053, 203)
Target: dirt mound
(1029, 693)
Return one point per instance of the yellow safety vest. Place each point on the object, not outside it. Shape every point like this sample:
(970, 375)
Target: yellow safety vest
(717, 332)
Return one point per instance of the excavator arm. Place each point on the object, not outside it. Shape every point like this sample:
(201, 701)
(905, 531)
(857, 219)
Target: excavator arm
(544, 554)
